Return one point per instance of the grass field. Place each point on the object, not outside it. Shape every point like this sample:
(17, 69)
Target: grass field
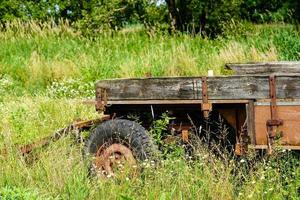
(46, 73)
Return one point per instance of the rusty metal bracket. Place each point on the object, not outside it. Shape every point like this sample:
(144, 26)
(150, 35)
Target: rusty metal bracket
(206, 107)
(101, 99)
(185, 135)
(71, 129)
(273, 123)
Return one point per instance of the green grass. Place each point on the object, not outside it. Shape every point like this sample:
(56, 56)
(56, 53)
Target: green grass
(32, 58)
(45, 75)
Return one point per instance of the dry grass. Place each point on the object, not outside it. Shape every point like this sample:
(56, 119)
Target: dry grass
(235, 52)
(39, 69)
(29, 29)
(24, 119)
(34, 54)
(181, 62)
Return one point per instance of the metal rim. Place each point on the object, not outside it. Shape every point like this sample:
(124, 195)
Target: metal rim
(114, 156)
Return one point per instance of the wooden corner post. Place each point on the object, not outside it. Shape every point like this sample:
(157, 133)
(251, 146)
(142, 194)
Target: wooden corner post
(206, 107)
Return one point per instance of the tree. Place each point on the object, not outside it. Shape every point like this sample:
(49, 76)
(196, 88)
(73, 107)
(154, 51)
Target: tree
(261, 11)
(115, 14)
(10, 9)
(206, 17)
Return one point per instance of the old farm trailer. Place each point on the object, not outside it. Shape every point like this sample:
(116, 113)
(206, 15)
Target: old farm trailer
(260, 103)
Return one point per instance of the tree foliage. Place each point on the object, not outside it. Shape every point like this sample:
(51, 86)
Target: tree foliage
(261, 11)
(112, 14)
(41, 9)
(206, 17)
(202, 16)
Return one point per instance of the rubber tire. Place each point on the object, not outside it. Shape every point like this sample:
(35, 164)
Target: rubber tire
(126, 132)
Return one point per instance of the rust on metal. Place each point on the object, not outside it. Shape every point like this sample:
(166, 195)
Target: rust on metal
(90, 123)
(185, 135)
(273, 123)
(206, 107)
(290, 114)
(115, 155)
(238, 149)
(101, 99)
(235, 115)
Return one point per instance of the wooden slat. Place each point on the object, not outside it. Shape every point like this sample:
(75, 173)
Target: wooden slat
(189, 88)
(282, 147)
(153, 102)
(279, 102)
(250, 121)
(265, 68)
(151, 88)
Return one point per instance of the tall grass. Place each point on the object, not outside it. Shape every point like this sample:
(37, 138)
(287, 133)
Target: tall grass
(46, 69)
(35, 55)
(206, 176)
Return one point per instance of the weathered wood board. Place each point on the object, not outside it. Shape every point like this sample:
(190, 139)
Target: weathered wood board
(190, 88)
(265, 68)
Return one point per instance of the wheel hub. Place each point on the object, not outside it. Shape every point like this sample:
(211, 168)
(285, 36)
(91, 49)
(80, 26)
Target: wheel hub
(114, 156)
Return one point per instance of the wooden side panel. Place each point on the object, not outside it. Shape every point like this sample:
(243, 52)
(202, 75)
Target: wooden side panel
(265, 67)
(223, 87)
(290, 114)
(152, 88)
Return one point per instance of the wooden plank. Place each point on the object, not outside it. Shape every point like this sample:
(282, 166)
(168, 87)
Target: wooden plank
(153, 102)
(189, 88)
(152, 88)
(286, 147)
(264, 68)
(290, 114)
(280, 102)
(250, 121)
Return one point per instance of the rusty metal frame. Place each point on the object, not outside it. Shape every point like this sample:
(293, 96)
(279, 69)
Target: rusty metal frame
(101, 99)
(273, 123)
(76, 126)
(168, 102)
(206, 107)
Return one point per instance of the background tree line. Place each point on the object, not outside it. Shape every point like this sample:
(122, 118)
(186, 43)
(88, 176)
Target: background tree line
(205, 17)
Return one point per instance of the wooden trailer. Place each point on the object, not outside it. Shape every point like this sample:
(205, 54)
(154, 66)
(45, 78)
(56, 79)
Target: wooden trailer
(261, 102)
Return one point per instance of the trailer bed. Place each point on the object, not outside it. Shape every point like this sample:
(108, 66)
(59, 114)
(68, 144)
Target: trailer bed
(265, 105)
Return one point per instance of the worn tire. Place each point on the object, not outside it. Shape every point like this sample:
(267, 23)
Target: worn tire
(128, 133)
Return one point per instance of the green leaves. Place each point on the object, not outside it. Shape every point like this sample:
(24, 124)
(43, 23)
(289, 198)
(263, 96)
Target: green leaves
(204, 17)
